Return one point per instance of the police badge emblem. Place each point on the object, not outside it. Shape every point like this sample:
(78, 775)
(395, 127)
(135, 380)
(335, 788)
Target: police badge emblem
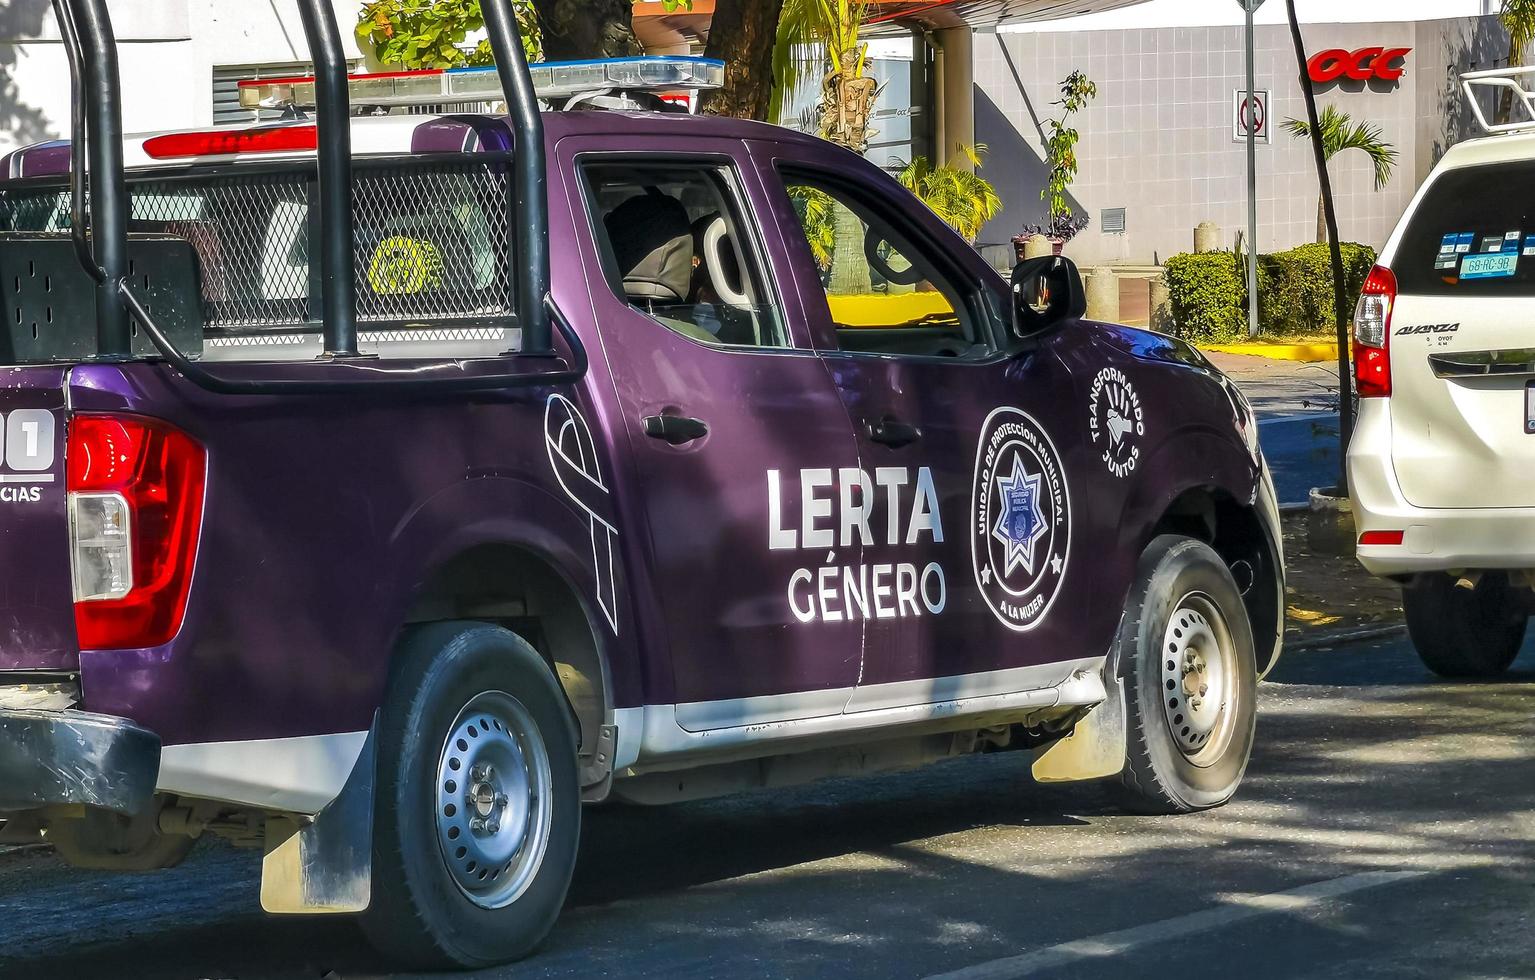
(1020, 531)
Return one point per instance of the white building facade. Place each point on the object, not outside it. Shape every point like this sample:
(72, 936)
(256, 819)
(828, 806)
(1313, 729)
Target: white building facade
(178, 60)
(1158, 153)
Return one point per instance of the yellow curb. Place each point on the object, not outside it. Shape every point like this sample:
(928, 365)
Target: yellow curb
(887, 309)
(1279, 352)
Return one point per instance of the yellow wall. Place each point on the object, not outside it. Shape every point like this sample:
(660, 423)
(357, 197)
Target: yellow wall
(886, 309)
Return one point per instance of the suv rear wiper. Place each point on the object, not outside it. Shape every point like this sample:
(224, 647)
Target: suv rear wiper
(375, 377)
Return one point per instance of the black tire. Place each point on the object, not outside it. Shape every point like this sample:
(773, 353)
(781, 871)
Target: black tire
(1465, 632)
(1182, 767)
(420, 914)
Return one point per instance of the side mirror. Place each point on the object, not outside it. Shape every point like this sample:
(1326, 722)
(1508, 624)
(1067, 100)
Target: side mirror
(1047, 291)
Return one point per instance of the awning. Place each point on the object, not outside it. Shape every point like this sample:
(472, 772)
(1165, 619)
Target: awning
(936, 14)
(657, 29)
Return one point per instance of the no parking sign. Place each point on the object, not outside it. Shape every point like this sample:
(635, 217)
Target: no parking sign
(1250, 115)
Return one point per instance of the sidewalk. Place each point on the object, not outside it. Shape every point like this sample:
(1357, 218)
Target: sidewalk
(1331, 597)
(1135, 311)
(1328, 596)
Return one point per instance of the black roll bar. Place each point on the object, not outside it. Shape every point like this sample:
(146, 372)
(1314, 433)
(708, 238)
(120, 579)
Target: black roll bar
(86, 29)
(338, 300)
(77, 143)
(91, 28)
(530, 210)
(369, 377)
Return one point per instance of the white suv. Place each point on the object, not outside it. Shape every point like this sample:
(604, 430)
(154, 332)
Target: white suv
(1442, 465)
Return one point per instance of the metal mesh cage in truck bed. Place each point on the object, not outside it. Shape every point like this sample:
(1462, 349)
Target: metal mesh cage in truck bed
(430, 239)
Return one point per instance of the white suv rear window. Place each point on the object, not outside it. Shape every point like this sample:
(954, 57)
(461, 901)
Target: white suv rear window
(1473, 233)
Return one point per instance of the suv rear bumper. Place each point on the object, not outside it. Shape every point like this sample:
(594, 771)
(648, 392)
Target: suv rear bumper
(1434, 539)
(53, 757)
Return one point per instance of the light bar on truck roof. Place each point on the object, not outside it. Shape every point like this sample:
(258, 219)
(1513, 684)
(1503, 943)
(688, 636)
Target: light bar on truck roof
(551, 80)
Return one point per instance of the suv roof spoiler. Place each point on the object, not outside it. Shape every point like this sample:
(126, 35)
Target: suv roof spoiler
(1511, 80)
(86, 29)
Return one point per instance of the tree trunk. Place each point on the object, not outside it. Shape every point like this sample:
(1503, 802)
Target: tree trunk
(849, 268)
(1321, 221)
(742, 35)
(580, 29)
(1335, 252)
(1505, 109)
(847, 102)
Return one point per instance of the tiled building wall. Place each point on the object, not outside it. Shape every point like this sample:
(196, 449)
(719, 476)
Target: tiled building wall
(1157, 141)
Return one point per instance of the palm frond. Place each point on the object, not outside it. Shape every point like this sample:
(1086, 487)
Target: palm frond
(1340, 132)
(1518, 18)
(961, 198)
(824, 29)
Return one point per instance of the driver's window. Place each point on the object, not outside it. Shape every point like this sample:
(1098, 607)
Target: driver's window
(884, 295)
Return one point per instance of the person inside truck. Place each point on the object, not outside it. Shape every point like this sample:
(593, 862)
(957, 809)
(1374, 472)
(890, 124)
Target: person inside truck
(652, 242)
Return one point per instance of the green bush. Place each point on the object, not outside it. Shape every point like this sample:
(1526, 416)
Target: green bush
(1208, 292)
(1208, 296)
(1297, 297)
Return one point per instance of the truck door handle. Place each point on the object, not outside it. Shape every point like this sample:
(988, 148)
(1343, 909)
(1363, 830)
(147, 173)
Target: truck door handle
(675, 430)
(893, 433)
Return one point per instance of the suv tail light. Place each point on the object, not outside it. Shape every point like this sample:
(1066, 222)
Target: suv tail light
(135, 512)
(1372, 334)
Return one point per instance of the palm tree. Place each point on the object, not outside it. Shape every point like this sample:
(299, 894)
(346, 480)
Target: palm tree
(832, 28)
(961, 198)
(1518, 18)
(1339, 133)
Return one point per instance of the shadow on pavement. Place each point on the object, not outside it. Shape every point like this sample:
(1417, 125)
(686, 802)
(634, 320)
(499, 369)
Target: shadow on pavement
(1364, 762)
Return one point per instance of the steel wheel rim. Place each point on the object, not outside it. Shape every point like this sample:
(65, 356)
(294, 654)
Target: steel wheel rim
(493, 800)
(1200, 690)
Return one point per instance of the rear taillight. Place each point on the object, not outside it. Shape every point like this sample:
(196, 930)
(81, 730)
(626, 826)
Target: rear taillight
(135, 512)
(1372, 334)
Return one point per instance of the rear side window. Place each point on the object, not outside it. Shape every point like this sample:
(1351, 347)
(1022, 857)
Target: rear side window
(1473, 234)
(674, 246)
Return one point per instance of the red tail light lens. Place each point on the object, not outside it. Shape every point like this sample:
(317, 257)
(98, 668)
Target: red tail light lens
(135, 506)
(1382, 537)
(1372, 334)
(267, 139)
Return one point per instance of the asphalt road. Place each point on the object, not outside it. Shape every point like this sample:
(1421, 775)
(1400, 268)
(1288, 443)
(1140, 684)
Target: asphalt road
(1297, 405)
(1386, 829)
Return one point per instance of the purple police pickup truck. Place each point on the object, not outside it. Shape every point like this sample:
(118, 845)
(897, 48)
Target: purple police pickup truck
(378, 491)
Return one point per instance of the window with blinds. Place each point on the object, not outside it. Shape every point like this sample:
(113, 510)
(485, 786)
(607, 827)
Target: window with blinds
(226, 94)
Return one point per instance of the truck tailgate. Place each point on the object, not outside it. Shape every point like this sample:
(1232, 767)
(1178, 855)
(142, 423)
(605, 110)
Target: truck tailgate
(37, 624)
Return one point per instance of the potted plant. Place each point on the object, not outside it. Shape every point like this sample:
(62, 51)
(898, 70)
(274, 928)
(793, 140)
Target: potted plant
(1061, 224)
(1059, 229)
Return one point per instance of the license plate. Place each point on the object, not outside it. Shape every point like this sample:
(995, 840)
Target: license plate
(1529, 407)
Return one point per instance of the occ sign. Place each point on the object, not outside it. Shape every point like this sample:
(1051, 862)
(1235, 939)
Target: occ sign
(1362, 65)
(1020, 519)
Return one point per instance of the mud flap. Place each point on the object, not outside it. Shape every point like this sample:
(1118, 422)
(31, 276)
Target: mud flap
(326, 863)
(1096, 746)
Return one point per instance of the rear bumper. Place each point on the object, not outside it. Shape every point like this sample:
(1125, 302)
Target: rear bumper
(54, 757)
(1434, 539)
